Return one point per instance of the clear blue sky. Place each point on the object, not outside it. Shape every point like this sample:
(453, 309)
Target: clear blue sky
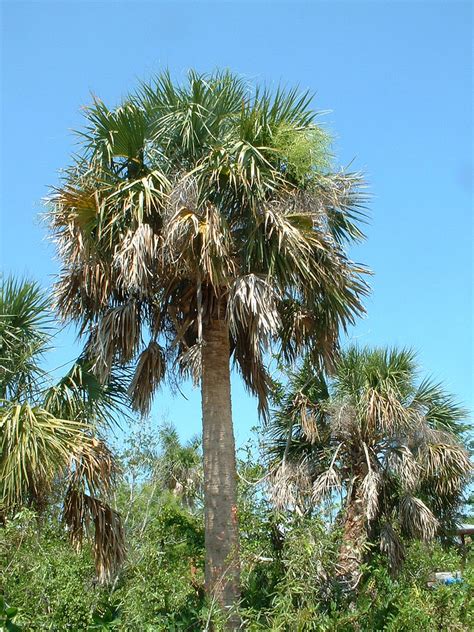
(396, 79)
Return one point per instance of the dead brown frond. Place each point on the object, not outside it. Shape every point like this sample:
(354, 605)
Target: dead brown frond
(80, 510)
(416, 519)
(82, 289)
(370, 489)
(403, 464)
(116, 337)
(149, 372)
(252, 303)
(190, 362)
(326, 483)
(289, 485)
(92, 473)
(392, 546)
(304, 411)
(135, 259)
(93, 465)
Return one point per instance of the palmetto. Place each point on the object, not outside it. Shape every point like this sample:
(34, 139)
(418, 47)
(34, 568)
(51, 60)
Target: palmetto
(179, 466)
(48, 432)
(202, 223)
(390, 443)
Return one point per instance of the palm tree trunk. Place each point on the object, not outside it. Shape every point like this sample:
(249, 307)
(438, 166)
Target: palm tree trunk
(354, 538)
(222, 572)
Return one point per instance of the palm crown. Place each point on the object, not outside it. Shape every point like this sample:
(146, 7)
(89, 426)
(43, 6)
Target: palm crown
(392, 444)
(186, 202)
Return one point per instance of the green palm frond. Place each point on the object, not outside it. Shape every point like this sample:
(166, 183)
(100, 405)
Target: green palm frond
(80, 395)
(25, 324)
(35, 446)
(440, 409)
(48, 432)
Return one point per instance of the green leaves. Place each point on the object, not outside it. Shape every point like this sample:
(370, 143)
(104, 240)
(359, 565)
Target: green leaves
(24, 335)
(35, 447)
(371, 429)
(7, 614)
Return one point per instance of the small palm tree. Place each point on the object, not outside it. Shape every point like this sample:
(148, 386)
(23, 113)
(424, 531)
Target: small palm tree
(179, 467)
(200, 223)
(48, 431)
(391, 445)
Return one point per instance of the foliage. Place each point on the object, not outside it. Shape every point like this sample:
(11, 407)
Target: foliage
(203, 200)
(49, 432)
(390, 445)
(286, 585)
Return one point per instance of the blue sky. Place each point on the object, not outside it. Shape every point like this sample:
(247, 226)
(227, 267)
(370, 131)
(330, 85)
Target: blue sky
(395, 80)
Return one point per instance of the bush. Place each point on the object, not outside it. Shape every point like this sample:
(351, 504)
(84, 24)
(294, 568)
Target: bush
(287, 578)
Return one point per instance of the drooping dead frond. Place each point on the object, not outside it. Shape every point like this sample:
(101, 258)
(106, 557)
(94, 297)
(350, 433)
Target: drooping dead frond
(116, 337)
(135, 259)
(289, 485)
(109, 540)
(326, 483)
(402, 464)
(304, 414)
(392, 546)
(81, 290)
(252, 304)
(93, 466)
(416, 519)
(92, 473)
(190, 362)
(148, 374)
(370, 489)
(80, 510)
(447, 465)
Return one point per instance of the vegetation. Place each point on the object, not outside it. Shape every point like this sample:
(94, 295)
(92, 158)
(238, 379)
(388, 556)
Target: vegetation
(289, 579)
(50, 449)
(391, 446)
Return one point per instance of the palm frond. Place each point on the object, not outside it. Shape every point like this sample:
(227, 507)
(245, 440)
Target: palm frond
(80, 395)
(391, 545)
(35, 447)
(25, 331)
(80, 510)
(416, 518)
(148, 374)
(439, 409)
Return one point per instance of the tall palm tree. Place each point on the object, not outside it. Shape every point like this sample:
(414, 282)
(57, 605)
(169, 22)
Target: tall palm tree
(199, 223)
(392, 445)
(48, 432)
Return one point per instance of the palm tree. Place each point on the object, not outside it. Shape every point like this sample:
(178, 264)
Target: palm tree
(179, 466)
(48, 432)
(199, 223)
(392, 445)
